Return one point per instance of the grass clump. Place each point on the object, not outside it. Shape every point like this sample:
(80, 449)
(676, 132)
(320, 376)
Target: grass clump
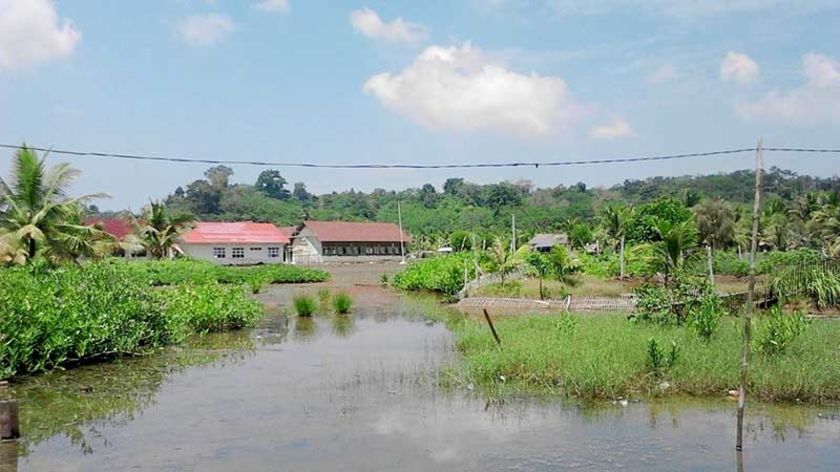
(342, 302)
(606, 356)
(304, 305)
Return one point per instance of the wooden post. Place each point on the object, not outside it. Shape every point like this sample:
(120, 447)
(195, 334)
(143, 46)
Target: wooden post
(745, 315)
(711, 263)
(9, 423)
(9, 457)
(492, 328)
(621, 256)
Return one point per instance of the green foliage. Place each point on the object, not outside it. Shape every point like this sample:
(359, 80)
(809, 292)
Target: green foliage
(554, 265)
(443, 274)
(210, 307)
(704, 316)
(342, 302)
(659, 360)
(728, 263)
(256, 284)
(580, 235)
(819, 283)
(272, 184)
(383, 280)
(460, 241)
(606, 357)
(304, 304)
(178, 271)
(51, 318)
(775, 260)
(158, 231)
(778, 331)
(642, 226)
(671, 304)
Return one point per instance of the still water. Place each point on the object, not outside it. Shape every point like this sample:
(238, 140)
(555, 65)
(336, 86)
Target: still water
(359, 393)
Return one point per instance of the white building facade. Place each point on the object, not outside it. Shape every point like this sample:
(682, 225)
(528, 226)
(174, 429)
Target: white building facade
(236, 243)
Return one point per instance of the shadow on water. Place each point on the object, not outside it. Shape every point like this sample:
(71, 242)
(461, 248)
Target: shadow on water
(359, 392)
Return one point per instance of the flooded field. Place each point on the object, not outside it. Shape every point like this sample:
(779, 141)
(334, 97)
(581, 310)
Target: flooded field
(359, 393)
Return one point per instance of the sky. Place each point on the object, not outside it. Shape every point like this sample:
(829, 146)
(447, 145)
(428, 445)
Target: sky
(432, 82)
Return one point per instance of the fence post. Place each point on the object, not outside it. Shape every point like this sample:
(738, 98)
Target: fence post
(9, 424)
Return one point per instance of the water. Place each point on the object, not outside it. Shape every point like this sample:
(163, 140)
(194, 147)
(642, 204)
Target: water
(359, 394)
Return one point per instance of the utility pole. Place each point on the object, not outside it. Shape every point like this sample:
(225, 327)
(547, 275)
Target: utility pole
(402, 239)
(745, 353)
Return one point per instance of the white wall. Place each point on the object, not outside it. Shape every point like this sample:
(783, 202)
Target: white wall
(254, 253)
(306, 248)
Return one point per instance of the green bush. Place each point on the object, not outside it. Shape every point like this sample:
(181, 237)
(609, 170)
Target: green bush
(304, 305)
(178, 271)
(342, 303)
(778, 331)
(52, 318)
(659, 360)
(704, 316)
(444, 274)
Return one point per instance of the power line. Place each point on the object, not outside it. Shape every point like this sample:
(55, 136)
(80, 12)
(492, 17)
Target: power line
(534, 164)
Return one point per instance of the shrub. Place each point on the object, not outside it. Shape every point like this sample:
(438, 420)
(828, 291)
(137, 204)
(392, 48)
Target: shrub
(444, 274)
(73, 314)
(342, 303)
(178, 271)
(704, 317)
(460, 241)
(779, 331)
(773, 261)
(659, 360)
(817, 282)
(256, 284)
(304, 305)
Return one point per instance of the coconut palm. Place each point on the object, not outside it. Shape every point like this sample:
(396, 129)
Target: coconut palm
(158, 231)
(37, 218)
(614, 221)
(503, 259)
(677, 243)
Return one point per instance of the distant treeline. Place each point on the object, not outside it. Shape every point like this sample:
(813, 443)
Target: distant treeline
(431, 213)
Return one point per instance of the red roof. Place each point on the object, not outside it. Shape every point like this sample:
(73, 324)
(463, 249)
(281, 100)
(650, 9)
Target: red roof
(289, 230)
(239, 232)
(347, 232)
(116, 227)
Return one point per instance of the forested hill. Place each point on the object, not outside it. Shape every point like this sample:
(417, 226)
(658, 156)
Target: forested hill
(460, 205)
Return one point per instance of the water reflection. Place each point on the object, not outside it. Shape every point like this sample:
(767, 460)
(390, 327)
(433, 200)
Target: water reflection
(360, 392)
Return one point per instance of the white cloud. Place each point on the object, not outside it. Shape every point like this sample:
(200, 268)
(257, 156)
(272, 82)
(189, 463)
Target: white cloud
(458, 88)
(205, 30)
(816, 101)
(273, 5)
(31, 33)
(368, 22)
(617, 128)
(665, 73)
(738, 67)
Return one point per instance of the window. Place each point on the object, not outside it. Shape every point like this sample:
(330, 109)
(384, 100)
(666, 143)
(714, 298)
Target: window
(219, 252)
(237, 253)
(274, 252)
(255, 249)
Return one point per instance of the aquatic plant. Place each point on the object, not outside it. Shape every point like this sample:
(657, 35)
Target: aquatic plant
(443, 274)
(178, 271)
(256, 284)
(778, 331)
(659, 360)
(342, 302)
(304, 304)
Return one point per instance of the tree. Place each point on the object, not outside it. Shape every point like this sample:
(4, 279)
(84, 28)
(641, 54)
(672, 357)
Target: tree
(203, 198)
(614, 220)
(503, 259)
(580, 235)
(219, 177)
(716, 228)
(37, 219)
(556, 264)
(300, 194)
(676, 243)
(452, 186)
(157, 231)
(460, 241)
(271, 183)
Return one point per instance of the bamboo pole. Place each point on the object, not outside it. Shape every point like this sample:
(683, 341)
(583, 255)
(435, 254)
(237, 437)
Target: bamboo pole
(745, 315)
(492, 328)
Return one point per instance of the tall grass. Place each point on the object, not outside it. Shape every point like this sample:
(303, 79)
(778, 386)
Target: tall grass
(606, 356)
(304, 304)
(342, 303)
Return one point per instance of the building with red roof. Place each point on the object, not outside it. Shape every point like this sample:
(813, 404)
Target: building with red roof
(343, 241)
(119, 228)
(236, 243)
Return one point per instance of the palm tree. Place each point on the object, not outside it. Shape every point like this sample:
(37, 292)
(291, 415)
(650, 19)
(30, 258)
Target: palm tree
(503, 259)
(614, 222)
(157, 231)
(716, 228)
(826, 222)
(677, 241)
(557, 265)
(38, 219)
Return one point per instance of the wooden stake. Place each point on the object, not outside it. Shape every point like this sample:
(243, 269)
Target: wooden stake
(492, 328)
(9, 424)
(9, 457)
(745, 353)
(710, 261)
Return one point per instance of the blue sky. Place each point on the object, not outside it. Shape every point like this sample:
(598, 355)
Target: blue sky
(343, 81)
